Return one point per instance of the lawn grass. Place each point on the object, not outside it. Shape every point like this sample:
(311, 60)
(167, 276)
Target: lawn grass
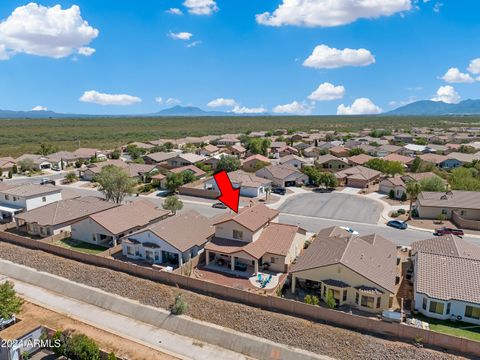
(19, 136)
(457, 328)
(80, 246)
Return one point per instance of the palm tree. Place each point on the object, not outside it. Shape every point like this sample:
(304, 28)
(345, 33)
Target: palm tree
(413, 190)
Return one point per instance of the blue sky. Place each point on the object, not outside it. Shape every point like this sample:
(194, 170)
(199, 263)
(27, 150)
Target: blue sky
(256, 63)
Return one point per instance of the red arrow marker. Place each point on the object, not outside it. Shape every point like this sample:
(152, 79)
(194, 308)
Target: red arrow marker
(229, 196)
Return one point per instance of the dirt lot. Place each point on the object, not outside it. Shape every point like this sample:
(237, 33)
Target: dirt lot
(322, 339)
(105, 340)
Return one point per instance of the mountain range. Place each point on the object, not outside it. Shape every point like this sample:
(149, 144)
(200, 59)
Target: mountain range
(418, 108)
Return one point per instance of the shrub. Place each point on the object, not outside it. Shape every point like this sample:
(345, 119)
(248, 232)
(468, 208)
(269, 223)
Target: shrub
(81, 347)
(401, 211)
(394, 214)
(180, 306)
(441, 218)
(403, 197)
(391, 194)
(330, 301)
(308, 299)
(111, 356)
(315, 300)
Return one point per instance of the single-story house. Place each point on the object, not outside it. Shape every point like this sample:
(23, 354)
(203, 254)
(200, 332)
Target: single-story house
(293, 160)
(312, 152)
(464, 158)
(198, 173)
(90, 171)
(276, 145)
(39, 162)
(283, 175)
(358, 176)
(331, 163)
(339, 151)
(6, 166)
(360, 159)
(61, 159)
(253, 238)
(287, 150)
(249, 184)
(404, 160)
(403, 138)
(159, 157)
(209, 150)
(357, 271)
(414, 149)
(456, 205)
(172, 242)
(446, 279)
(228, 141)
(17, 198)
(182, 159)
(88, 153)
(237, 150)
(106, 228)
(384, 150)
(254, 162)
(441, 161)
(57, 217)
(398, 183)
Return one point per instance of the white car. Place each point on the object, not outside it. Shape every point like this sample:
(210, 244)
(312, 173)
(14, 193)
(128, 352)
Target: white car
(350, 230)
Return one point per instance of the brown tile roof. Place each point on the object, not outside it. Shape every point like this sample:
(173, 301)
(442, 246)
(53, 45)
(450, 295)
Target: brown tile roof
(183, 231)
(447, 268)
(257, 157)
(433, 158)
(358, 172)
(6, 162)
(282, 171)
(451, 199)
(160, 157)
(360, 159)
(31, 190)
(397, 180)
(292, 157)
(400, 158)
(243, 178)
(326, 158)
(251, 217)
(86, 152)
(65, 211)
(419, 176)
(276, 239)
(210, 148)
(238, 148)
(134, 170)
(372, 257)
(466, 158)
(195, 170)
(130, 216)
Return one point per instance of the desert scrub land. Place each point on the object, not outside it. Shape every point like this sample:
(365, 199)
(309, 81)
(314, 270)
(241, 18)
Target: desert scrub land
(319, 338)
(20, 136)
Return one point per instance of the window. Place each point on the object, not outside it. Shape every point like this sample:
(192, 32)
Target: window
(357, 296)
(424, 304)
(344, 298)
(130, 250)
(436, 307)
(14, 198)
(448, 308)
(379, 301)
(368, 301)
(44, 199)
(237, 234)
(472, 312)
(444, 212)
(94, 238)
(7, 197)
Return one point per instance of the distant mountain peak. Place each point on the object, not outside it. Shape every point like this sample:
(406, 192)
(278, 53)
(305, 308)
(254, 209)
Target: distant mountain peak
(429, 107)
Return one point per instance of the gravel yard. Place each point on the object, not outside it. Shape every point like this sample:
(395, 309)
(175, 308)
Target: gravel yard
(323, 339)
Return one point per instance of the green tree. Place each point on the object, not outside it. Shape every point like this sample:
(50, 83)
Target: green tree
(174, 181)
(15, 169)
(464, 179)
(466, 149)
(313, 174)
(394, 167)
(413, 190)
(330, 300)
(188, 177)
(180, 306)
(134, 151)
(421, 141)
(71, 177)
(115, 183)
(10, 303)
(433, 183)
(26, 165)
(81, 347)
(328, 180)
(112, 356)
(228, 163)
(416, 164)
(173, 203)
(356, 151)
(59, 340)
(47, 149)
(115, 154)
(10, 174)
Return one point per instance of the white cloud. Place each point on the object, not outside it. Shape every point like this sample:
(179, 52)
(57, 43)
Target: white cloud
(437, 7)
(201, 7)
(193, 44)
(473, 67)
(294, 108)
(361, 106)
(45, 31)
(175, 11)
(447, 94)
(328, 13)
(221, 102)
(172, 101)
(96, 97)
(325, 57)
(159, 100)
(397, 103)
(327, 91)
(245, 110)
(183, 35)
(39, 108)
(453, 75)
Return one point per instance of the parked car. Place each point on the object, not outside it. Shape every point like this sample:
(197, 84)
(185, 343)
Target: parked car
(46, 181)
(397, 224)
(447, 231)
(219, 205)
(349, 229)
(279, 191)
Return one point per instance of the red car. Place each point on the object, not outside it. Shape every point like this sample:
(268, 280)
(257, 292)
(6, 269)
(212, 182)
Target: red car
(448, 231)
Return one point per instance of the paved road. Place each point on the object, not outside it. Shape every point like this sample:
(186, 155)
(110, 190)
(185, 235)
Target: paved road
(35, 179)
(159, 339)
(334, 206)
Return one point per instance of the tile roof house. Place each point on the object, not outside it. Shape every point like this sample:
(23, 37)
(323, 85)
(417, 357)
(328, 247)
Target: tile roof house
(358, 176)
(405, 160)
(287, 150)
(441, 161)
(57, 217)
(6, 165)
(249, 184)
(106, 228)
(40, 162)
(398, 183)
(253, 236)
(198, 173)
(171, 242)
(446, 279)
(464, 158)
(358, 271)
(293, 160)
(283, 175)
(339, 151)
(159, 157)
(462, 207)
(360, 159)
(209, 150)
(17, 198)
(252, 163)
(331, 163)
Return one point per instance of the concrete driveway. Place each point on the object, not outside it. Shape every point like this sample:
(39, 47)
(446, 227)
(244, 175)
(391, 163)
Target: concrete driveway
(337, 206)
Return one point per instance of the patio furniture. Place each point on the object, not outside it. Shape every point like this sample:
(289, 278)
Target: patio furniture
(259, 278)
